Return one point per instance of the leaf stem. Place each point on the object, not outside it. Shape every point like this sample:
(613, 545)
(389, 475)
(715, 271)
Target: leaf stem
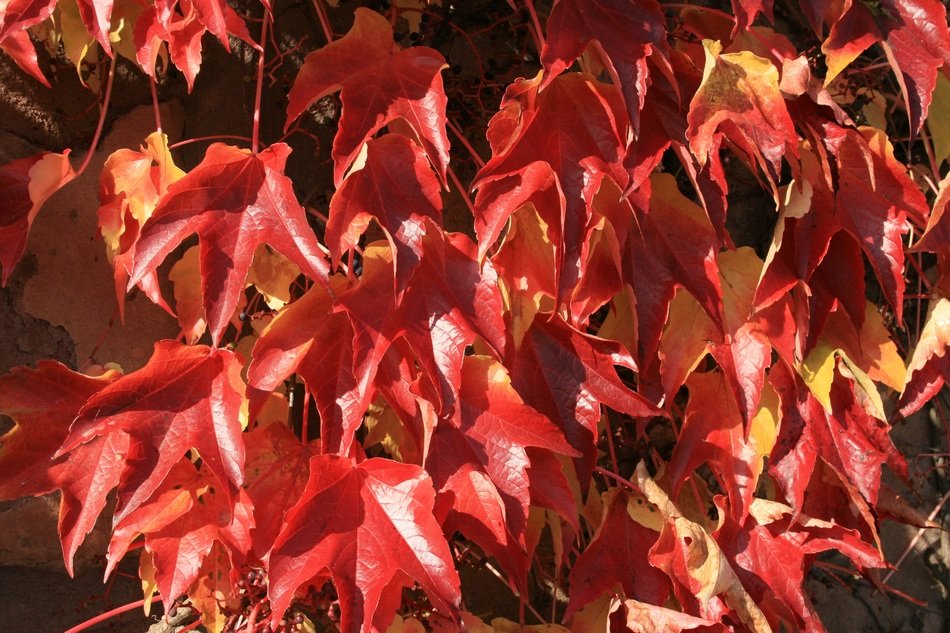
(102, 617)
(213, 137)
(324, 21)
(155, 106)
(537, 25)
(256, 131)
(464, 194)
(461, 137)
(102, 118)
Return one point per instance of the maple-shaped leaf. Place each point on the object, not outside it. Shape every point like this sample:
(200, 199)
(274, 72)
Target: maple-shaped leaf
(577, 126)
(739, 98)
(380, 536)
(379, 83)
(741, 349)
(235, 201)
(181, 25)
(628, 32)
(874, 200)
(617, 556)
(275, 471)
(19, 47)
(915, 37)
(184, 397)
(673, 243)
(852, 442)
(395, 187)
(480, 466)
(19, 15)
(309, 338)
(181, 523)
(771, 554)
(713, 432)
(42, 403)
(449, 301)
(25, 185)
(568, 375)
(130, 186)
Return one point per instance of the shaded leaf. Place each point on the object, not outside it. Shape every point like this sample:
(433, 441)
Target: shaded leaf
(235, 201)
(25, 185)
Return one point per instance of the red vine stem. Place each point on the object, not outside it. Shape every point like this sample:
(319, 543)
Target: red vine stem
(464, 194)
(539, 38)
(102, 617)
(917, 536)
(102, 119)
(255, 133)
(214, 137)
(464, 141)
(324, 21)
(155, 106)
(616, 477)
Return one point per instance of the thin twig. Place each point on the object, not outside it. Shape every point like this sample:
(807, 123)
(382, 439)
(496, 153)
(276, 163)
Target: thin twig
(102, 119)
(256, 131)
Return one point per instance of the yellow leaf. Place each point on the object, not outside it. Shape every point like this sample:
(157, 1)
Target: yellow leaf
(272, 274)
(938, 119)
(409, 625)
(78, 44)
(147, 576)
(689, 334)
(503, 625)
(708, 570)
(185, 276)
(213, 593)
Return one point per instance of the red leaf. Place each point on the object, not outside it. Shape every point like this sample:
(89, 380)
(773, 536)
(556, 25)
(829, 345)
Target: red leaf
(673, 243)
(479, 464)
(713, 432)
(97, 16)
(380, 536)
(25, 185)
(849, 440)
(43, 403)
(628, 32)
(395, 187)
(915, 37)
(276, 470)
(739, 98)
(618, 556)
(567, 375)
(181, 523)
(19, 46)
(235, 201)
(184, 397)
(577, 126)
(449, 301)
(379, 84)
(19, 15)
(875, 197)
(307, 337)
